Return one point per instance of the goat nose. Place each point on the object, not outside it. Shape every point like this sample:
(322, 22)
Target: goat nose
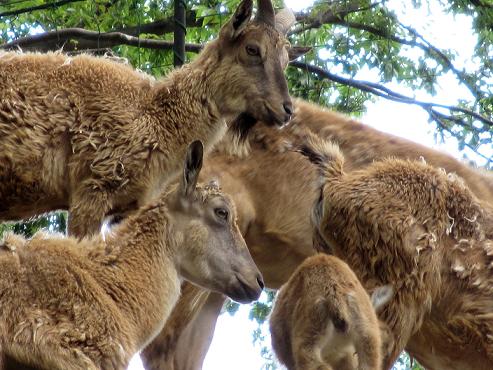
(260, 282)
(288, 108)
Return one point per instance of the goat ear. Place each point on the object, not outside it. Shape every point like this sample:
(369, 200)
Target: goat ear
(381, 296)
(239, 20)
(265, 12)
(193, 165)
(294, 52)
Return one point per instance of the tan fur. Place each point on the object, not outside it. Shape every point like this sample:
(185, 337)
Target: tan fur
(323, 319)
(274, 190)
(411, 225)
(96, 137)
(92, 304)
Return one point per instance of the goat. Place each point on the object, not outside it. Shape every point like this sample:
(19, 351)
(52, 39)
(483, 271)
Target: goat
(93, 136)
(323, 317)
(274, 190)
(93, 303)
(410, 225)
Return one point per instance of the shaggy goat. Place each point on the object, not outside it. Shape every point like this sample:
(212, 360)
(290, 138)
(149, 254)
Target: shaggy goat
(411, 225)
(274, 191)
(96, 137)
(323, 317)
(92, 304)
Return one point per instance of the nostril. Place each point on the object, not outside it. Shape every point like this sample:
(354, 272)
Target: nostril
(288, 108)
(260, 282)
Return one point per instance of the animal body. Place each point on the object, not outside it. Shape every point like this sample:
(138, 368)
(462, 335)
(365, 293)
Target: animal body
(96, 137)
(274, 190)
(93, 303)
(323, 319)
(411, 225)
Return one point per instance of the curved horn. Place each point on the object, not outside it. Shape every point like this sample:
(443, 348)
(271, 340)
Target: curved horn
(265, 12)
(285, 20)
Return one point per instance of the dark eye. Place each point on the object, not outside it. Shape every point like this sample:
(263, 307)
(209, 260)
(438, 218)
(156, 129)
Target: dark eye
(253, 50)
(221, 213)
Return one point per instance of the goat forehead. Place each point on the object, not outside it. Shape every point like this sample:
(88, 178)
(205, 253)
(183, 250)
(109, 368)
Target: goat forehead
(208, 192)
(211, 197)
(264, 33)
(220, 199)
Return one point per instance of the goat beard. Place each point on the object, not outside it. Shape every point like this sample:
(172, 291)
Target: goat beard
(241, 127)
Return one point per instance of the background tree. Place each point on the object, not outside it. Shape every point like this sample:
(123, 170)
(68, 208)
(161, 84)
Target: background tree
(348, 38)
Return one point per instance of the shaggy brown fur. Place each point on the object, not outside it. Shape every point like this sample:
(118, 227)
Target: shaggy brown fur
(323, 319)
(274, 190)
(92, 304)
(95, 136)
(411, 225)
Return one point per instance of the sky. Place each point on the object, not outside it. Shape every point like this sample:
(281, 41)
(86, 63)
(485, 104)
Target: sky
(232, 346)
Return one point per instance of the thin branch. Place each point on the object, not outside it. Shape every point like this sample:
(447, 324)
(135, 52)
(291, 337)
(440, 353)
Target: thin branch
(385, 92)
(330, 16)
(64, 39)
(426, 46)
(444, 127)
(446, 61)
(162, 26)
(158, 27)
(38, 7)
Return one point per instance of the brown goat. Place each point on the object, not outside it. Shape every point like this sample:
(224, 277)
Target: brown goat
(92, 304)
(411, 225)
(323, 317)
(96, 137)
(274, 191)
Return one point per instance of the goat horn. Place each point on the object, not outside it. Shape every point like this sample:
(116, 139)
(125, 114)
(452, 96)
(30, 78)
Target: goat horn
(265, 12)
(285, 20)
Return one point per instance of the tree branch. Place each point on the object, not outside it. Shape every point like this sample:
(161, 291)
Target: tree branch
(429, 49)
(84, 39)
(445, 127)
(39, 7)
(162, 26)
(331, 16)
(386, 93)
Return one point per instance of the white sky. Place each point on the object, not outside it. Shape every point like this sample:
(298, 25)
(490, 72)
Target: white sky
(232, 346)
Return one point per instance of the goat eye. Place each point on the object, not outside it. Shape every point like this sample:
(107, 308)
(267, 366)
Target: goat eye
(221, 213)
(253, 50)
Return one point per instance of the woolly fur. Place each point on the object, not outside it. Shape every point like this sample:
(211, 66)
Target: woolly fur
(421, 230)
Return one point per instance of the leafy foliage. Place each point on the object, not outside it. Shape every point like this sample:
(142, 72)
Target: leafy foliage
(54, 223)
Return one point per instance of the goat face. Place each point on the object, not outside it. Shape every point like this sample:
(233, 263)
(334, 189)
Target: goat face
(213, 253)
(253, 57)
